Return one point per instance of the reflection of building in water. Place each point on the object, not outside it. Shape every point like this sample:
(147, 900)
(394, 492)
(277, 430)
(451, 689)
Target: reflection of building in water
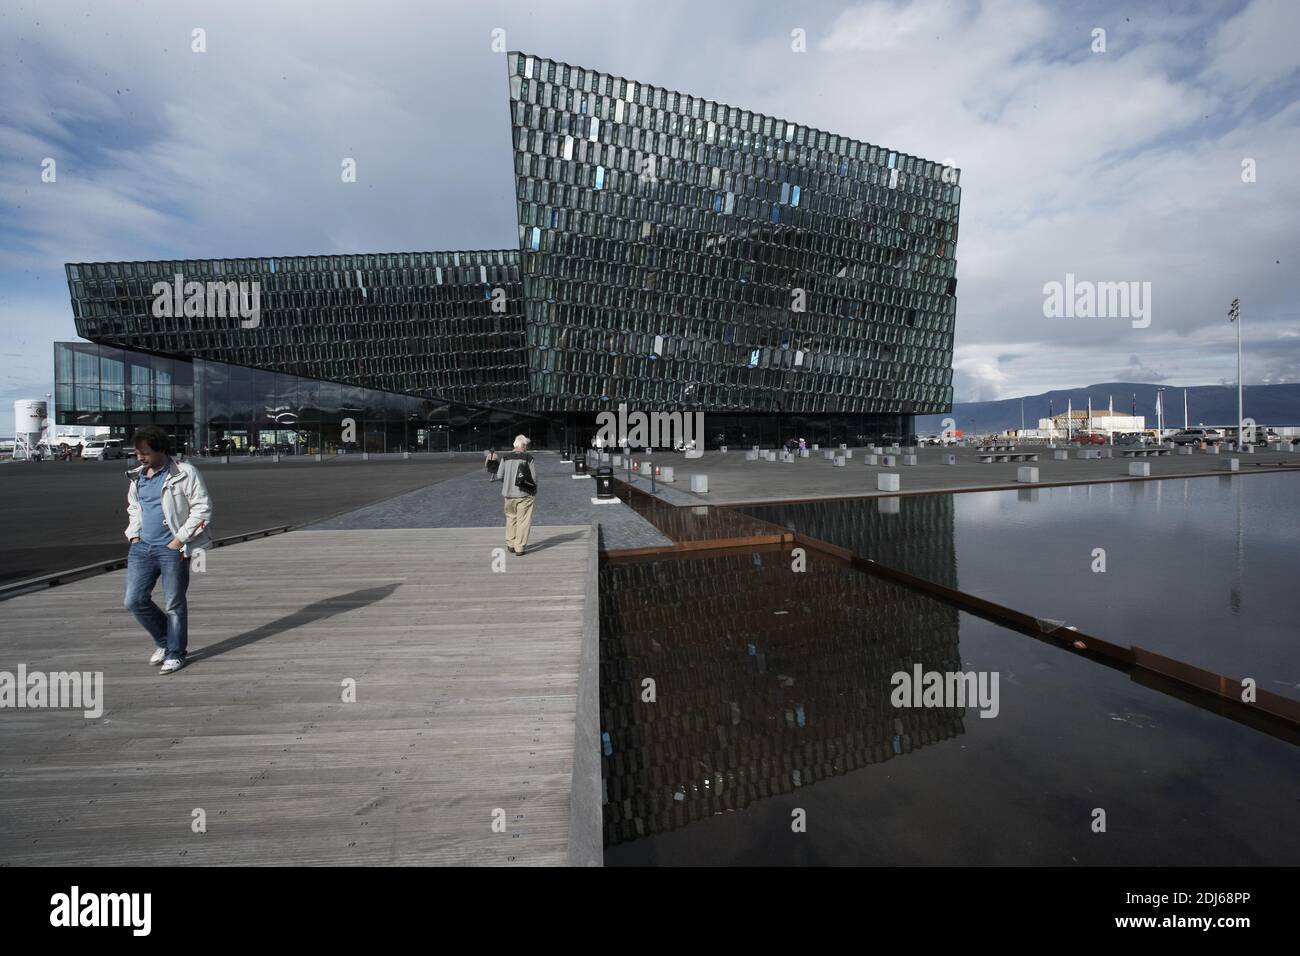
(766, 680)
(918, 538)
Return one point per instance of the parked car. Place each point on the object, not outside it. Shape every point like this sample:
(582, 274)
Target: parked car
(1090, 438)
(1194, 436)
(103, 449)
(1265, 435)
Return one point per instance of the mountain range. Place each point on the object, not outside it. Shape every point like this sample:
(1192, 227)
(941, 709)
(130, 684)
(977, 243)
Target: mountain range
(1270, 405)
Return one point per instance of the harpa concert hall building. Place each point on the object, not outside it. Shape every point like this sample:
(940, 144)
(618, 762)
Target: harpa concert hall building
(674, 254)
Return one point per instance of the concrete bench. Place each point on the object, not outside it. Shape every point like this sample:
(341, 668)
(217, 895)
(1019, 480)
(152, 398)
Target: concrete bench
(1027, 474)
(887, 481)
(1139, 469)
(700, 484)
(889, 461)
(1061, 454)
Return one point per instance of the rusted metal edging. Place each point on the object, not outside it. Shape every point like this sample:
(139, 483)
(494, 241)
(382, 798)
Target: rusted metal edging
(1270, 713)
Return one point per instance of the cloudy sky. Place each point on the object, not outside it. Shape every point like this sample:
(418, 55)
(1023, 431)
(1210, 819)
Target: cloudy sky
(1122, 165)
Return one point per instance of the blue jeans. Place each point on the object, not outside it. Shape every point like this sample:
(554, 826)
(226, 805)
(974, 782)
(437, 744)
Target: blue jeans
(145, 564)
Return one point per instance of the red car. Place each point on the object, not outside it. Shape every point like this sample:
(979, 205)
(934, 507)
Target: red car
(1093, 439)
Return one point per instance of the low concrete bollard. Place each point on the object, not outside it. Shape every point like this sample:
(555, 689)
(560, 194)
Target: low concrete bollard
(751, 456)
(848, 453)
(909, 459)
(318, 456)
(618, 461)
(1249, 450)
(887, 481)
(803, 452)
(950, 459)
(877, 450)
(225, 459)
(1232, 464)
(839, 461)
(755, 447)
(647, 468)
(1027, 474)
(1061, 454)
(1211, 449)
(700, 484)
(1139, 469)
(889, 461)
(828, 455)
(1083, 454)
(666, 473)
(816, 447)
(871, 459)
(1184, 449)
(365, 456)
(722, 448)
(1104, 453)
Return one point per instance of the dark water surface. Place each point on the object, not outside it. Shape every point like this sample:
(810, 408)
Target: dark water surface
(772, 687)
(1206, 570)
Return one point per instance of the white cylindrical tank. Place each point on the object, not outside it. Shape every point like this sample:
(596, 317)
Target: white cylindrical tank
(30, 418)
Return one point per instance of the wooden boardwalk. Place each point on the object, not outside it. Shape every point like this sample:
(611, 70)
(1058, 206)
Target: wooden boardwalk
(466, 689)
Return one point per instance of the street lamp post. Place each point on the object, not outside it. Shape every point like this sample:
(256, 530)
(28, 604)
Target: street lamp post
(1234, 316)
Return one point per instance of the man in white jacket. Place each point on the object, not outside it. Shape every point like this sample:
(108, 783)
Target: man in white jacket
(168, 512)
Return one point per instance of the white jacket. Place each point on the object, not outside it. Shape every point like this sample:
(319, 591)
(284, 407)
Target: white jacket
(187, 509)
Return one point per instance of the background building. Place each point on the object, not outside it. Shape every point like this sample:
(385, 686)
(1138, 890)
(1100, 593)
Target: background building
(674, 254)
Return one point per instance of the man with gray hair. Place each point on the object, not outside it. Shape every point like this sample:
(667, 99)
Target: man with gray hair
(519, 492)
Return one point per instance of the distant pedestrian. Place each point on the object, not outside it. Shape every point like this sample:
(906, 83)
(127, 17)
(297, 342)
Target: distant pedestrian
(492, 464)
(168, 512)
(518, 476)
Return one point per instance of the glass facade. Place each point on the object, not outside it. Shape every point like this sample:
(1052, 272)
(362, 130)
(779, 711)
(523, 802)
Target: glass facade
(215, 406)
(446, 325)
(674, 254)
(682, 253)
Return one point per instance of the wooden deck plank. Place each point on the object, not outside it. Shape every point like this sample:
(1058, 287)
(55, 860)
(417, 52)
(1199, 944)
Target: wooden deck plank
(466, 696)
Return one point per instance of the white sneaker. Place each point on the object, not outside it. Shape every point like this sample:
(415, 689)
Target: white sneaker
(170, 665)
(159, 656)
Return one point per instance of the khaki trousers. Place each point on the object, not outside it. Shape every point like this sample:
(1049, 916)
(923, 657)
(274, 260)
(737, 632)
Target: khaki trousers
(519, 521)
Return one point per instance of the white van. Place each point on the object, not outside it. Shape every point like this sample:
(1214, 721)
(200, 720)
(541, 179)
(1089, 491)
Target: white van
(103, 449)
